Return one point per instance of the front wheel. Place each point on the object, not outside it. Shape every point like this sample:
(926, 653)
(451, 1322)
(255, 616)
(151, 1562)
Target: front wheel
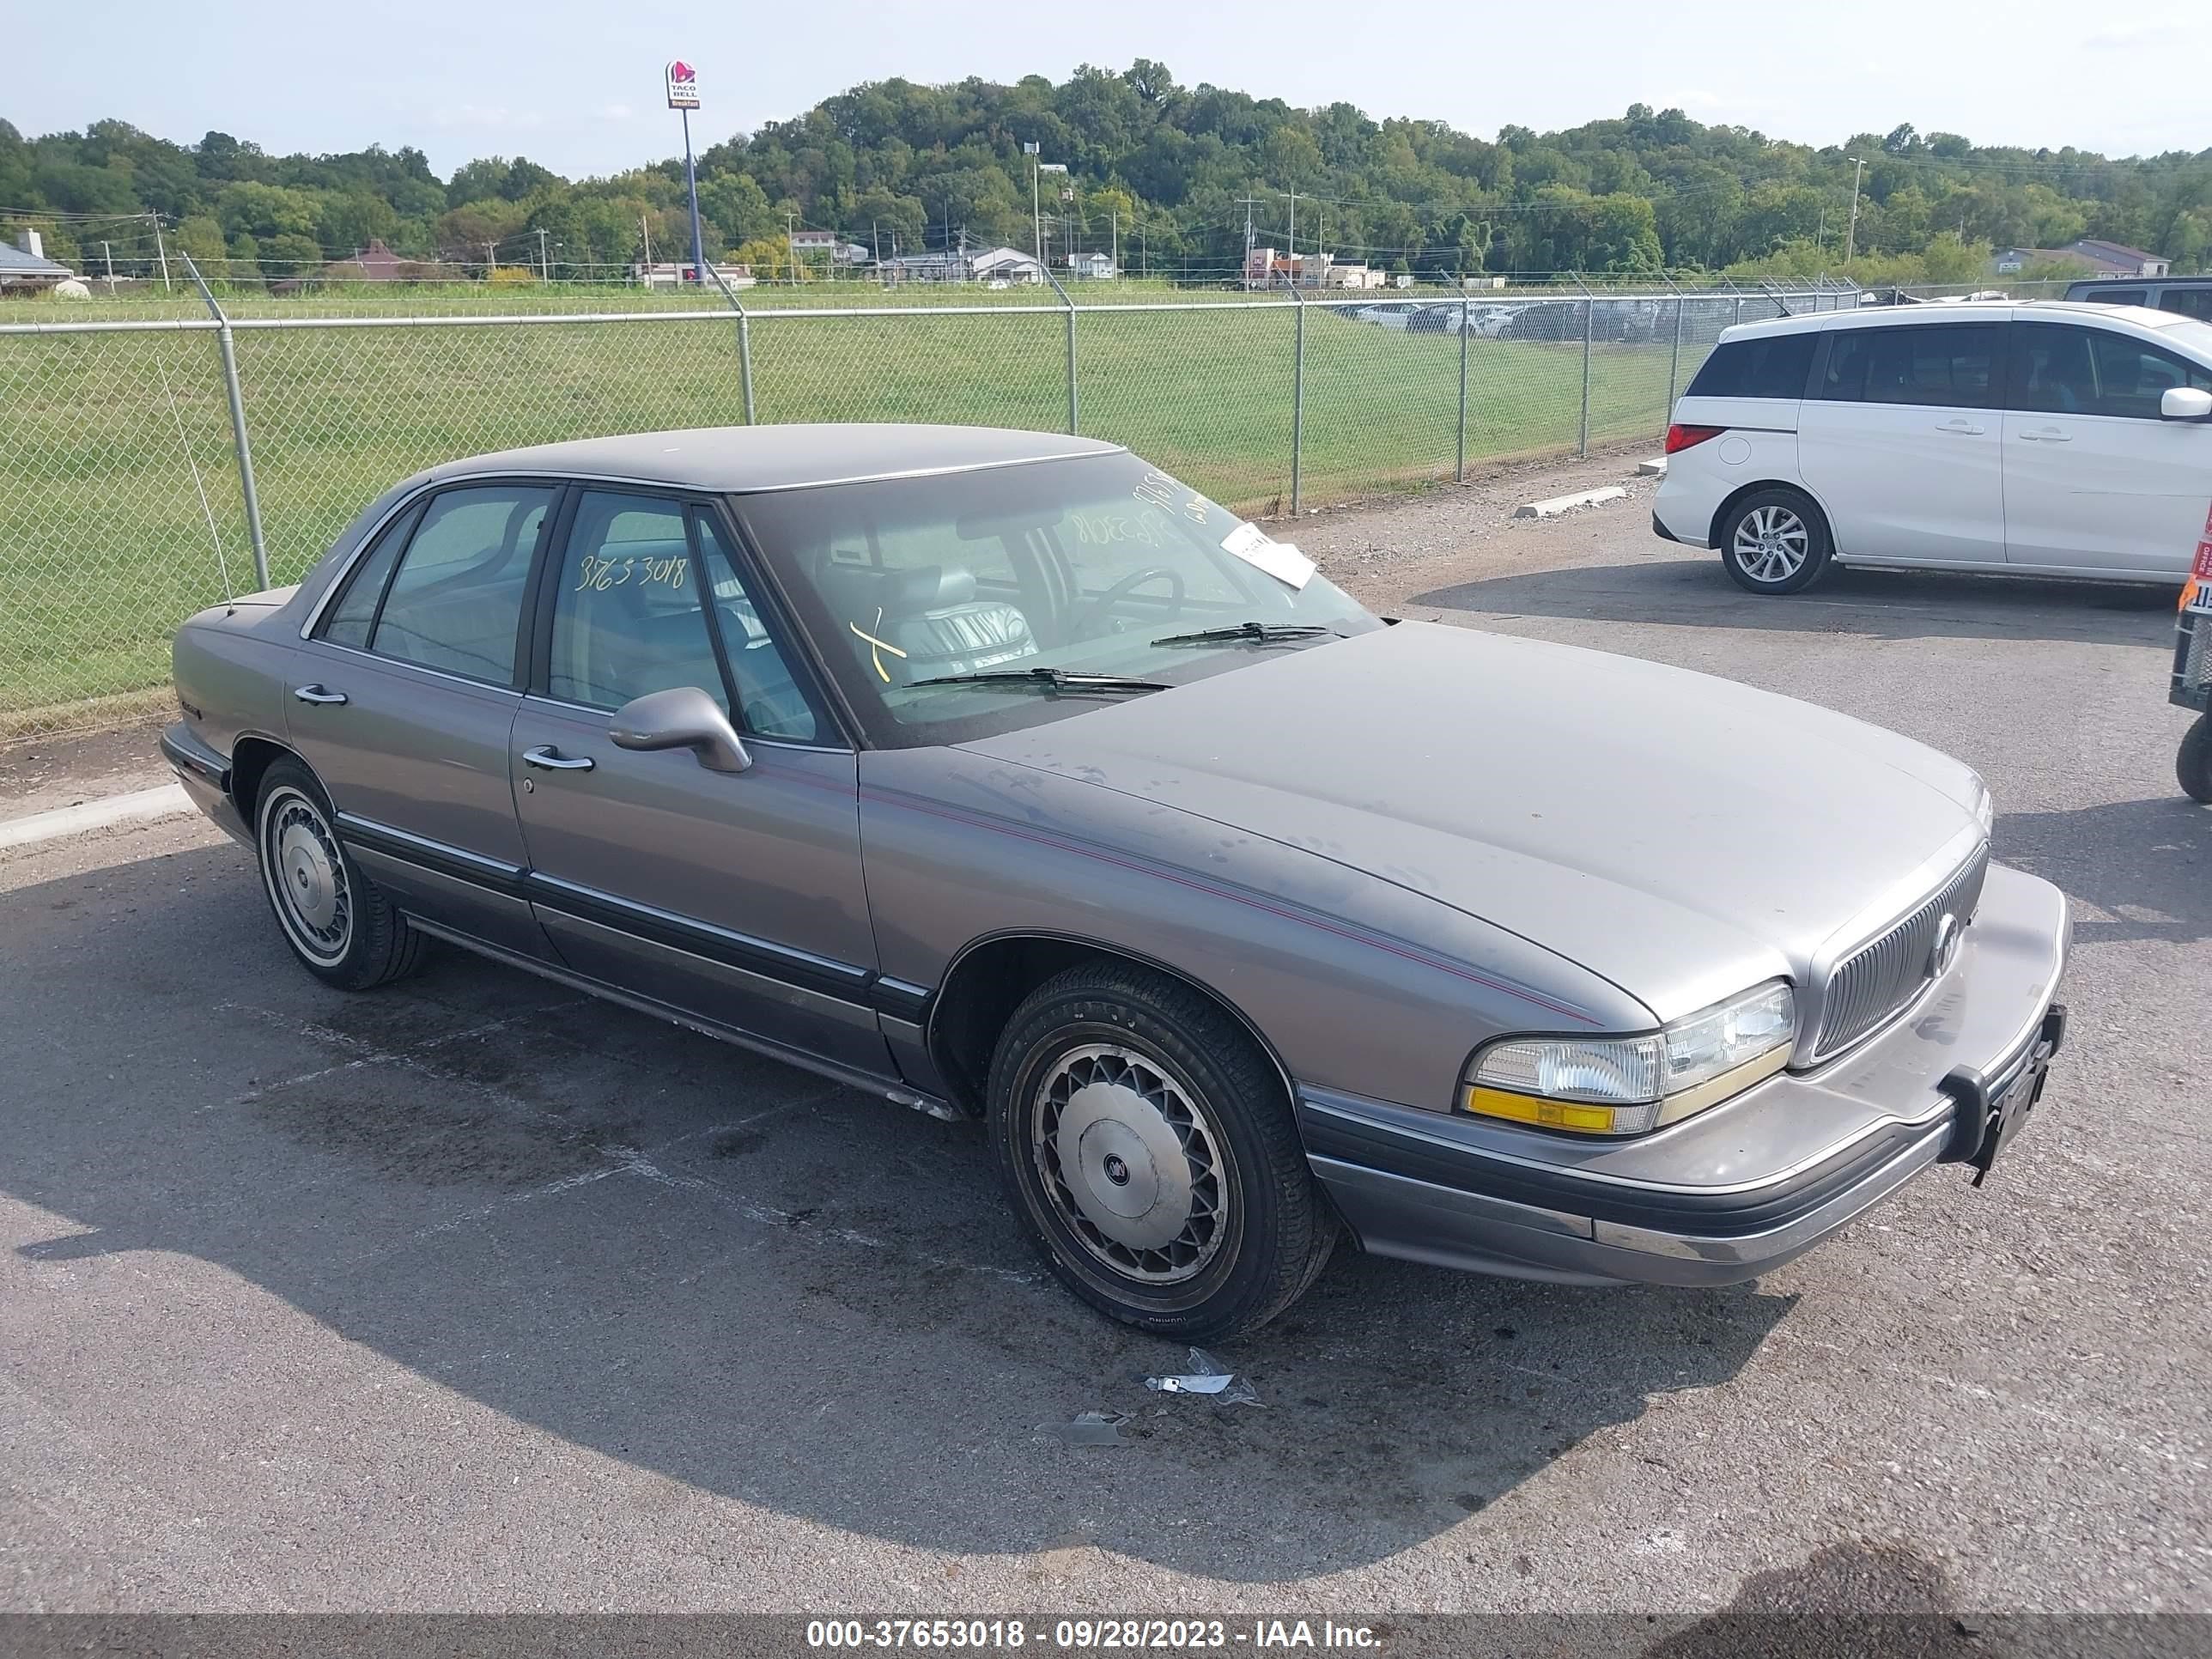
(1151, 1155)
(2192, 767)
(1775, 541)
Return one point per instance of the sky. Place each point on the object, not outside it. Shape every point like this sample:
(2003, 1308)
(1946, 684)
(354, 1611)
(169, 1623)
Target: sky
(576, 85)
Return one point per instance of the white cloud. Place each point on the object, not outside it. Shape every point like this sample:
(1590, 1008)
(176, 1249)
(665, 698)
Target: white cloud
(616, 112)
(492, 116)
(2138, 37)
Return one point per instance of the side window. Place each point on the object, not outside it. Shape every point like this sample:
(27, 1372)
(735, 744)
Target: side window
(2132, 377)
(2189, 301)
(1775, 366)
(2116, 296)
(349, 621)
(770, 703)
(2052, 372)
(456, 600)
(1943, 365)
(626, 614)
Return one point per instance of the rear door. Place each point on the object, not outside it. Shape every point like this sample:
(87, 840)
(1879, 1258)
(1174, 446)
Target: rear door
(2095, 479)
(734, 895)
(403, 697)
(1901, 437)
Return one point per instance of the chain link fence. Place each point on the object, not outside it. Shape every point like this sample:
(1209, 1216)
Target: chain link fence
(151, 467)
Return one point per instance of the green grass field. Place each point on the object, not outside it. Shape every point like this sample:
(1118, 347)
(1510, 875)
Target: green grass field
(108, 441)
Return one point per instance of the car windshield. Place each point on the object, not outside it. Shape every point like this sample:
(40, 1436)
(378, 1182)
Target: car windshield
(934, 601)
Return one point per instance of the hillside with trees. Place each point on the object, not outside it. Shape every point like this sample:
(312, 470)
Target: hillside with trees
(1167, 171)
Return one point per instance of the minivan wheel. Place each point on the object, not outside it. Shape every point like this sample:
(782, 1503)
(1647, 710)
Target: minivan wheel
(340, 927)
(1151, 1155)
(2192, 767)
(1775, 541)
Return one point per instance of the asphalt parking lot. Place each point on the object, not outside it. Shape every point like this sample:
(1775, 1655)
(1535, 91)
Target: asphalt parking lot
(472, 1294)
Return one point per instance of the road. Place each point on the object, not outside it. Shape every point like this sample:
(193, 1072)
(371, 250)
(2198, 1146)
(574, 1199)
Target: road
(470, 1294)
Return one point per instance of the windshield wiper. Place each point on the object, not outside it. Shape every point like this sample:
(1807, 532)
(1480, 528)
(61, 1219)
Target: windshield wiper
(1262, 633)
(1055, 680)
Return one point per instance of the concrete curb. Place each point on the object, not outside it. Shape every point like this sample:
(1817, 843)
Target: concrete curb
(140, 806)
(1559, 504)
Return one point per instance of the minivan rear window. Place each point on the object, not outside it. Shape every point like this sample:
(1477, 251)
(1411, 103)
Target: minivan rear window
(1954, 364)
(1772, 366)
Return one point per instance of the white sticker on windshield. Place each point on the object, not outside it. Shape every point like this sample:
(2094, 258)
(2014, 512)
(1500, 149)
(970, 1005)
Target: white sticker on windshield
(1280, 560)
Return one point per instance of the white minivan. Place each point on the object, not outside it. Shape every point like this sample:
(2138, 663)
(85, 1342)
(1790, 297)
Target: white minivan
(2047, 440)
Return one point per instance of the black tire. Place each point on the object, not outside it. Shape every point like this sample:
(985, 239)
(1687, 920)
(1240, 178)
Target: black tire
(342, 928)
(2192, 767)
(1775, 540)
(1143, 1041)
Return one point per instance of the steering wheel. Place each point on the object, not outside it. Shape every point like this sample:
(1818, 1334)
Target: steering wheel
(1084, 623)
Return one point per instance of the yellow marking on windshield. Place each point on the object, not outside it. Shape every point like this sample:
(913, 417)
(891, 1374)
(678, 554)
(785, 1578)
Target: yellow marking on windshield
(876, 655)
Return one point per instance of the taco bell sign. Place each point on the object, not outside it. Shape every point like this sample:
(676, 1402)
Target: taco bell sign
(683, 86)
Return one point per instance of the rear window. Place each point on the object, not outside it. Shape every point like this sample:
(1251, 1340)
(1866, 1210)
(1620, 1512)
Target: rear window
(1954, 365)
(1772, 366)
(2099, 295)
(2189, 301)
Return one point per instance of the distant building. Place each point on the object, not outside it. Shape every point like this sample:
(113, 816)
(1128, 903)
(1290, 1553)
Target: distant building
(992, 264)
(379, 263)
(25, 269)
(1093, 267)
(675, 274)
(1353, 275)
(1265, 268)
(2092, 256)
(827, 244)
(1004, 265)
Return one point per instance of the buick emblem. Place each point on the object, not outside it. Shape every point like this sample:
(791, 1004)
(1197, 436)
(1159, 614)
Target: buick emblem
(1946, 948)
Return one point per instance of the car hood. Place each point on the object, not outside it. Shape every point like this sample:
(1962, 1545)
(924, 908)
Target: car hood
(1683, 836)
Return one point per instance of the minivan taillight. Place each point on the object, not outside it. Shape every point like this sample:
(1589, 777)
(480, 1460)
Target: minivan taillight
(1682, 437)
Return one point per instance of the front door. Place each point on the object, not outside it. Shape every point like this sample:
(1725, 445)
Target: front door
(1902, 439)
(734, 895)
(403, 698)
(2095, 479)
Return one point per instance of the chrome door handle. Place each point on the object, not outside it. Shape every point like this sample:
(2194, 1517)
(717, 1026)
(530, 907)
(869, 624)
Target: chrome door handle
(315, 693)
(553, 760)
(1965, 427)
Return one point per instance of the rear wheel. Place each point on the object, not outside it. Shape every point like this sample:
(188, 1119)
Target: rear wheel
(1775, 541)
(340, 927)
(2192, 767)
(1152, 1156)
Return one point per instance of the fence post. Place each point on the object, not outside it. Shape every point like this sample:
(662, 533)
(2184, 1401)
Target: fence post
(1298, 394)
(1739, 309)
(745, 342)
(253, 499)
(1466, 316)
(1589, 330)
(1074, 408)
(1675, 363)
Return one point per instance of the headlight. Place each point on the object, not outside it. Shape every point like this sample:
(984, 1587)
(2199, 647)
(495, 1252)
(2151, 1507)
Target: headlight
(1625, 1086)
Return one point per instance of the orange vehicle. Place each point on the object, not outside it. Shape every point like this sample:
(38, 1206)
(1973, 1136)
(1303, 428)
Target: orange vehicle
(2192, 672)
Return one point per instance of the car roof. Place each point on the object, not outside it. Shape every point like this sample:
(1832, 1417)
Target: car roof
(738, 459)
(1934, 313)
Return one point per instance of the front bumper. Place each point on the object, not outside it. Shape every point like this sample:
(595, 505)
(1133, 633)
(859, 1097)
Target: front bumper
(1736, 1190)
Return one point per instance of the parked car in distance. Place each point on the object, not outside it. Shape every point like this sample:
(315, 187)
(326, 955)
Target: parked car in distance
(1005, 776)
(2047, 439)
(2187, 296)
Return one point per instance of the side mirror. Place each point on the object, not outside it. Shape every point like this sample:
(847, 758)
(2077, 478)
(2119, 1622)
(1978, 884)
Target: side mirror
(2185, 403)
(682, 718)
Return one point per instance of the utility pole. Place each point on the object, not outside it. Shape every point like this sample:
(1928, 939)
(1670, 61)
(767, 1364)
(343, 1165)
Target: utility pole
(1851, 236)
(491, 259)
(1117, 215)
(645, 231)
(108, 253)
(161, 251)
(1249, 201)
(1293, 195)
(545, 271)
(1037, 203)
(1144, 250)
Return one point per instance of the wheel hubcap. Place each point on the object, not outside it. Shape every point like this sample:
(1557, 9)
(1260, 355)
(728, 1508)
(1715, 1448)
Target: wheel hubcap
(1771, 543)
(1132, 1163)
(309, 878)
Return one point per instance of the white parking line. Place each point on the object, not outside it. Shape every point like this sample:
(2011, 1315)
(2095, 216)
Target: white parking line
(140, 806)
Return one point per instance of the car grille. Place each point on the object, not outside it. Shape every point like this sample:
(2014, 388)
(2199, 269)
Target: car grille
(1881, 978)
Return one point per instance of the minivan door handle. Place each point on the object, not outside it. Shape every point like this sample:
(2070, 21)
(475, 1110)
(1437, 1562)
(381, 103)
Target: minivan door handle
(553, 760)
(317, 693)
(2049, 435)
(1966, 429)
